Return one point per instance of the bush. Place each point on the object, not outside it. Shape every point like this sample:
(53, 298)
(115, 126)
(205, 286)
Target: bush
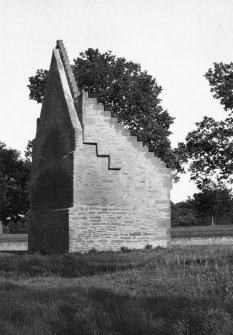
(125, 249)
(148, 247)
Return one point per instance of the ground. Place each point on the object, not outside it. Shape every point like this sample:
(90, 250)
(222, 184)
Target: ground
(185, 290)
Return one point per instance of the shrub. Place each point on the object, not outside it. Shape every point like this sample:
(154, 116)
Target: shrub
(92, 251)
(125, 249)
(148, 247)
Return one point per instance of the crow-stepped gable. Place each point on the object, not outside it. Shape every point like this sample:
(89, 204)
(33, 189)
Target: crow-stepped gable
(93, 185)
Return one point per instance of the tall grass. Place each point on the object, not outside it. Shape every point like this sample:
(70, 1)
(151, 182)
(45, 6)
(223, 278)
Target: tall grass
(187, 291)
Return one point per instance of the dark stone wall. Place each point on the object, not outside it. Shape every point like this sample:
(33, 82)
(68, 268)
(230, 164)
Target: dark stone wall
(52, 171)
(52, 187)
(52, 168)
(49, 232)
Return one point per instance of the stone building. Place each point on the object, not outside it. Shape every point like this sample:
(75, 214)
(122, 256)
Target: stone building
(93, 184)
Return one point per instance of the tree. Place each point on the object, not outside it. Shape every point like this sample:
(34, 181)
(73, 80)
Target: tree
(183, 214)
(28, 151)
(213, 204)
(14, 184)
(210, 146)
(132, 95)
(221, 82)
(37, 85)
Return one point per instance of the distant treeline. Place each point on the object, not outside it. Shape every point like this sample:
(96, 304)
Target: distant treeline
(209, 207)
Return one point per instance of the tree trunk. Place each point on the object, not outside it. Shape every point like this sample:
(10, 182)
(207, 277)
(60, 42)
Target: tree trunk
(212, 220)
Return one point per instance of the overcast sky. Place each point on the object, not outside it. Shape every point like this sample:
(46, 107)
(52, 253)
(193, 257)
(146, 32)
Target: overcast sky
(176, 41)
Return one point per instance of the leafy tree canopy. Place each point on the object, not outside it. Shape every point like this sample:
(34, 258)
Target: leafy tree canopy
(182, 214)
(210, 146)
(28, 151)
(14, 184)
(213, 205)
(37, 85)
(132, 95)
(221, 82)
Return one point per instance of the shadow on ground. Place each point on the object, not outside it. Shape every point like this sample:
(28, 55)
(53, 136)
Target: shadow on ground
(79, 311)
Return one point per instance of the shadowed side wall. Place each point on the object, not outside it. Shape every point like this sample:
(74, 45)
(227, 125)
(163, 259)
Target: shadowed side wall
(52, 171)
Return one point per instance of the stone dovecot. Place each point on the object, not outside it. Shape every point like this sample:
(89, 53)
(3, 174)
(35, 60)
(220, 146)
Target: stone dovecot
(93, 185)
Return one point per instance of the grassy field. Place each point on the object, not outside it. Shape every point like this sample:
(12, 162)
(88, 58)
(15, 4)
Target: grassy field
(202, 231)
(176, 291)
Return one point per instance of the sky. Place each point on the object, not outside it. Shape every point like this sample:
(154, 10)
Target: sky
(176, 41)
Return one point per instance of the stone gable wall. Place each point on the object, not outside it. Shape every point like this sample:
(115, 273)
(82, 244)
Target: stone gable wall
(95, 185)
(121, 191)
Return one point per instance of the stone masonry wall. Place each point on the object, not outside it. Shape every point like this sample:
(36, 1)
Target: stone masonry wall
(121, 191)
(49, 231)
(13, 242)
